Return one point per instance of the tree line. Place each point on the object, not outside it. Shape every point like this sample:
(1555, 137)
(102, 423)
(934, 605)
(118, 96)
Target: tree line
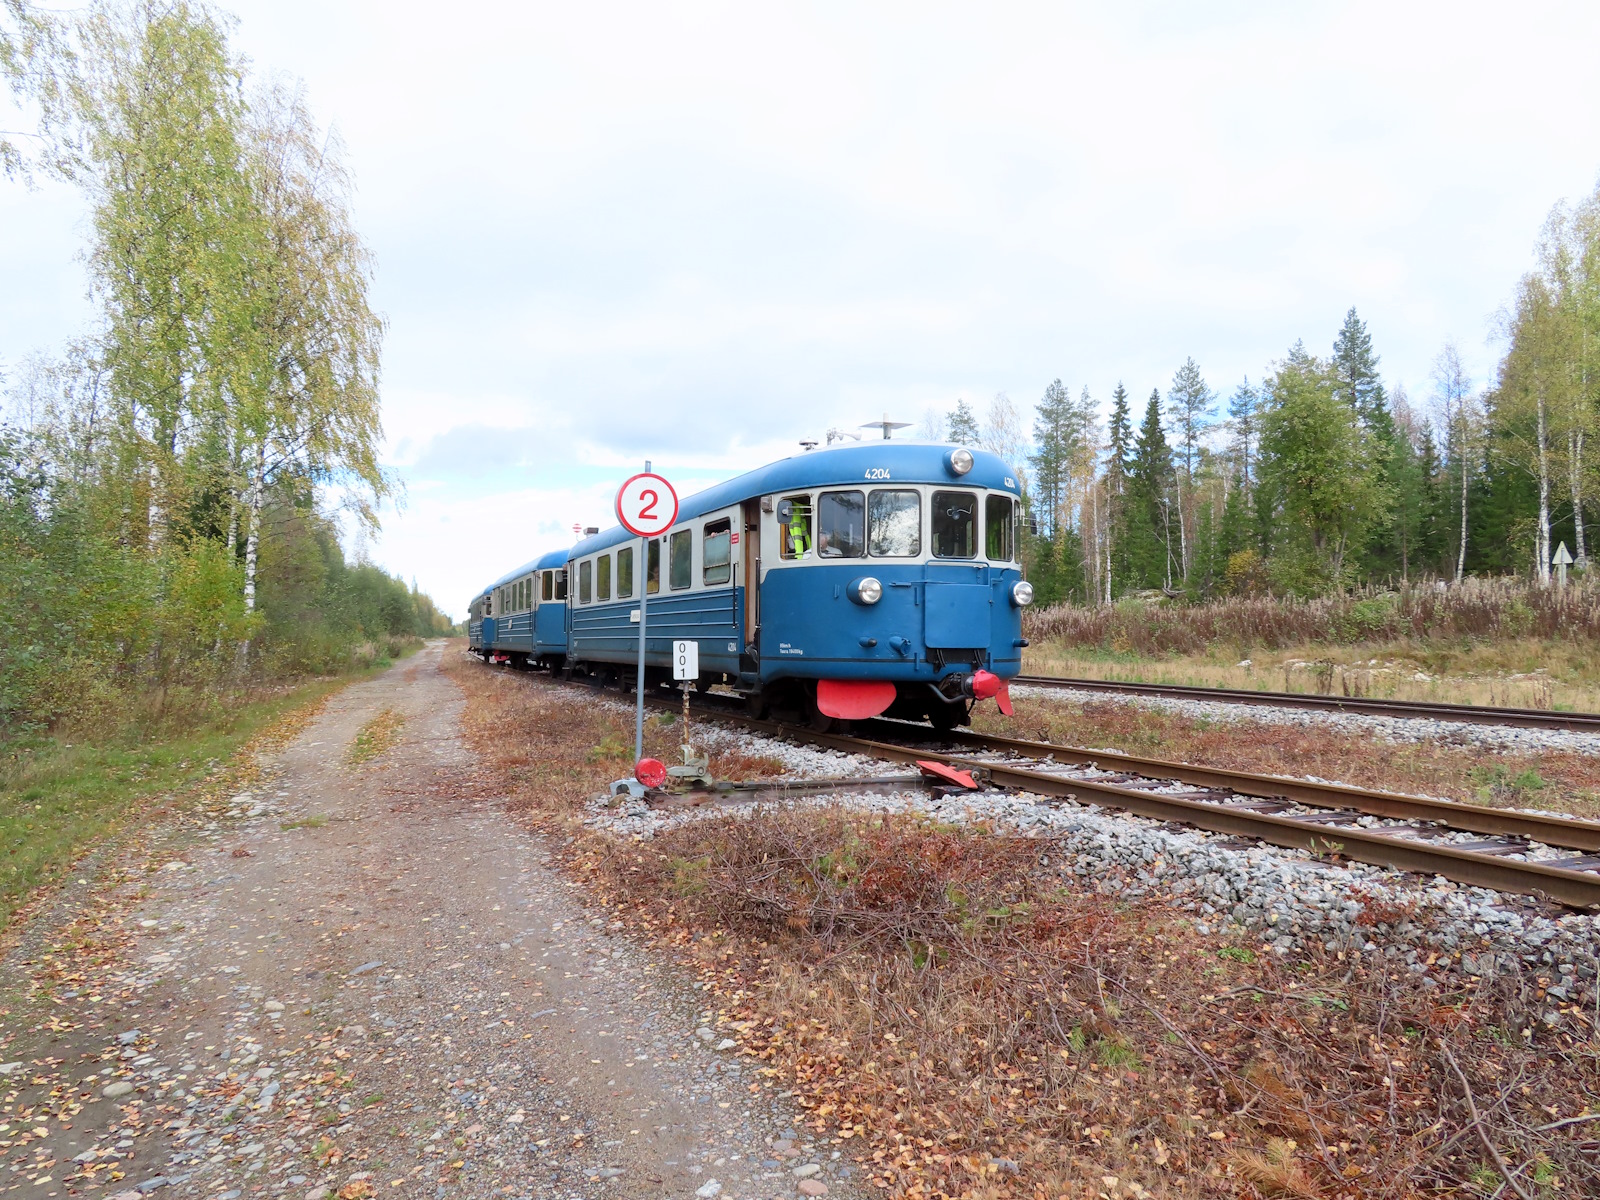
(170, 483)
(1317, 477)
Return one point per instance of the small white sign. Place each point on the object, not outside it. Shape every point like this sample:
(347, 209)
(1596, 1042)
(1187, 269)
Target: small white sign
(686, 660)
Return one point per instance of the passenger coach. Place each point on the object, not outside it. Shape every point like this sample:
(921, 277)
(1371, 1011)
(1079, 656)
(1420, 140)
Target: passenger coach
(837, 584)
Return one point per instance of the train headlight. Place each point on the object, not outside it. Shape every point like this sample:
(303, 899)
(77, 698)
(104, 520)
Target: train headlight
(959, 461)
(866, 590)
(1022, 593)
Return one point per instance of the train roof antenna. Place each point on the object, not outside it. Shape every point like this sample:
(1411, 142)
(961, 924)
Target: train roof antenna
(886, 425)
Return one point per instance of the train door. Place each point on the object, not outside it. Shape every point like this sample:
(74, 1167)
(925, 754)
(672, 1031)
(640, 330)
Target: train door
(750, 556)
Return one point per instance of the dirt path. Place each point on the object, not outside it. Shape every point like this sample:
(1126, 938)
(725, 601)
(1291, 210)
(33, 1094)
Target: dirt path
(366, 980)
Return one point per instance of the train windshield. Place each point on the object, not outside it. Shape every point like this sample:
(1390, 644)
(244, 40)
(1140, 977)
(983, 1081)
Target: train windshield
(894, 524)
(841, 525)
(955, 525)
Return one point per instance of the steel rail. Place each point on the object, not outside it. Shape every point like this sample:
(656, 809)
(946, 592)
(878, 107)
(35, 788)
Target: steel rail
(1571, 833)
(1476, 714)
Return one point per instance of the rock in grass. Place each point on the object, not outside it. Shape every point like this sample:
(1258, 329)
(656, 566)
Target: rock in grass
(120, 1088)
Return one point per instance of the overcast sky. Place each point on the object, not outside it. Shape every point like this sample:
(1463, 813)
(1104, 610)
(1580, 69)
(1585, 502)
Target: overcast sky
(699, 233)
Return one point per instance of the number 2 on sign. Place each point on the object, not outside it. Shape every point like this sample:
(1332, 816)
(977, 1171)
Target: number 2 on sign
(651, 499)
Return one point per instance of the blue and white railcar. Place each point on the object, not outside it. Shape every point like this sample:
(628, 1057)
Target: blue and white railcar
(841, 583)
(521, 618)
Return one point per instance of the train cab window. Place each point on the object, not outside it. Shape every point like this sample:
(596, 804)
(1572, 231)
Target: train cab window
(547, 588)
(894, 524)
(794, 526)
(682, 564)
(716, 551)
(602, 577)
(841, 525)
(955, 525)
(652, 566)
(585, 571)
(1000, 528)
(625, 573)
(561, 584)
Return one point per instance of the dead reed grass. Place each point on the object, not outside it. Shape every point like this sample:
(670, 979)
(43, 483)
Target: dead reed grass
(1476, 609)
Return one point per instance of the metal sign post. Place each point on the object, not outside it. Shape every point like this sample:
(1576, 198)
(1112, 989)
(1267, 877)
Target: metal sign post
(686, 670)
(1561, 561)
(647, 506)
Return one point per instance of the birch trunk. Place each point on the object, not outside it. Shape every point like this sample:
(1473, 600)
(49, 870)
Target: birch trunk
(1183, 538)
(1575, 474)
(252, 547)
(1461, 556)
(1542, 543)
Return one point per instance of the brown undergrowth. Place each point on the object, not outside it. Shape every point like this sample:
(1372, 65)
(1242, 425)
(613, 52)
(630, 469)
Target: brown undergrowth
(1458, 770)
(967, 1021)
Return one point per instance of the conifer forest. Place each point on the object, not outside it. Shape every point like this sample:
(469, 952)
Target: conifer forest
(1317, 477)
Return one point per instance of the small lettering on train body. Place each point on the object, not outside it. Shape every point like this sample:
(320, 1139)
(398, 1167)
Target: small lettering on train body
(786, 648)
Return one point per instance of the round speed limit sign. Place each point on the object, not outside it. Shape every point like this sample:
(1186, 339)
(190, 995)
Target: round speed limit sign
(647, 505)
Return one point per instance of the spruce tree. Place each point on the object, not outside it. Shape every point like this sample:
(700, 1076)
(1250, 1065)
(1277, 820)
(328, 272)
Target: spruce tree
(1053, 441)
(1149, 517)
(1121, 440)
(962, 425)
(1355, 373)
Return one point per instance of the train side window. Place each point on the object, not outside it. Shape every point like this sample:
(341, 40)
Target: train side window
(955, 525)
(841, 525)
(602, 577)
(529, 596)
(999, 528)
(547, 585)
(561, 584)
(625, 573)
(652, 566)
(584, 571)
(794, 534)
(682, 564)
(716, 551)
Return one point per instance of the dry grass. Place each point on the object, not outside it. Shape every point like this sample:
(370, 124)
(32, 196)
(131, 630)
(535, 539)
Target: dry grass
(1486, 642)
(951, 1014)
(1556, 780)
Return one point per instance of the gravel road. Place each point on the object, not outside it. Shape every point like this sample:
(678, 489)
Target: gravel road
(368, 980)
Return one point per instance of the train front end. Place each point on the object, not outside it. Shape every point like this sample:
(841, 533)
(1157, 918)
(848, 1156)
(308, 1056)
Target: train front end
(897, 586)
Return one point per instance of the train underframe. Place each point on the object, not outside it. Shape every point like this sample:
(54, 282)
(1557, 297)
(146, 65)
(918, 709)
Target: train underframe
(946, 704)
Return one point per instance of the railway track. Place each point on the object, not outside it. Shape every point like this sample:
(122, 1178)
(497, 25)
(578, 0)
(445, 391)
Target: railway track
(1548, 857)
(1476, 714)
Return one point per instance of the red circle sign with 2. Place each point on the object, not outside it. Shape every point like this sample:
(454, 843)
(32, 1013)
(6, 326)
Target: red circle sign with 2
(647, 505)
